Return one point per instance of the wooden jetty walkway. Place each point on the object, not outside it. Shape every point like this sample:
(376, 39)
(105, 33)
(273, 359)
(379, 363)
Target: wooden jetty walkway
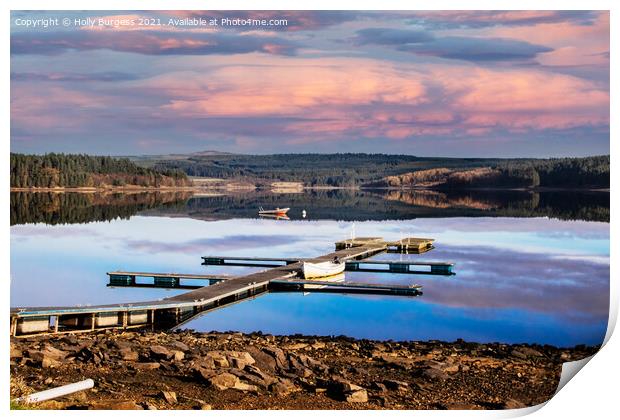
(222, 291)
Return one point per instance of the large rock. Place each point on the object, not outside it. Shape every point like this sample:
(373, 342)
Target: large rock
(127, 354)
(262, 360)
(393, 385)
(180, 345)
(283, 387)
(265, 377)
(225, 359)
(160, 352)
(217, 358)
(344, 390)
(204, 374)
(223, 381)
(355, 394)
(279, 357)
(48, 357)
(298, 366)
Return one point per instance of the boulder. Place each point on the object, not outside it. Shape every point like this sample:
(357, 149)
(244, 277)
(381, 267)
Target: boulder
(344, 390)
(223, 381)
(379, 387)
(262, 359)
(249, 378)
(48, 357)
(283, 387)
(204, 374)
(180, 345)
(237, 363)
(242, 386)
(127, 354)
(241, 355)
(279, 357)
(265, 377)
(356, 394)
(218, 358)
(396, 385)
(160, 352)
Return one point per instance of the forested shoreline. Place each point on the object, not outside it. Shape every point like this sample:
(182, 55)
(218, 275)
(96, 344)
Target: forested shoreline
(55, 170)
(348, 170)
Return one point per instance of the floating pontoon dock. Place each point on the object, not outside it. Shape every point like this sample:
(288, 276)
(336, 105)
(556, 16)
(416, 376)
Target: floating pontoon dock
(288, 285)
(389, 266)
(222, 290)
(168, 280)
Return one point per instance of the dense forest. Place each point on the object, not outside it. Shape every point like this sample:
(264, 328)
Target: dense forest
(337, 170)
(589, 172)
(381, 170)
(59, 170)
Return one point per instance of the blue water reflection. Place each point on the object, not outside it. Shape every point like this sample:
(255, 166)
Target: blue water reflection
(518, 279)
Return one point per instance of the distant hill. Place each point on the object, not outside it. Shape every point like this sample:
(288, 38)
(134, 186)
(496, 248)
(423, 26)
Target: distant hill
(393, 171)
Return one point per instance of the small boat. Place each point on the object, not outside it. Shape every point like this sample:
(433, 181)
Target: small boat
(277, 211)
(321, 269)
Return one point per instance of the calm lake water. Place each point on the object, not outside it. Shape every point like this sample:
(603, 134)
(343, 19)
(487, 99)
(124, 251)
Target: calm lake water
(530, 268)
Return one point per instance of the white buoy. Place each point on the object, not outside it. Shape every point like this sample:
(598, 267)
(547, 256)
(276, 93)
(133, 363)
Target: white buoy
(58, 392)
(303, 214)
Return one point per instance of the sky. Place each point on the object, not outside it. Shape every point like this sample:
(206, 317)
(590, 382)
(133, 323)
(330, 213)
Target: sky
(431, 83)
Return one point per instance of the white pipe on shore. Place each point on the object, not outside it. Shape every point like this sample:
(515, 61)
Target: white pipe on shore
(58, 392)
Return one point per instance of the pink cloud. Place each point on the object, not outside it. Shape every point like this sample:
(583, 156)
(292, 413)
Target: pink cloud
(288, 90)
(526, 99)
(573, 44)
(52, 107)
(353, 97)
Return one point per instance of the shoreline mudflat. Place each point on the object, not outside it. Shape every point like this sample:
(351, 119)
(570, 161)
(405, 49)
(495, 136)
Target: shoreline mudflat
(189, 370)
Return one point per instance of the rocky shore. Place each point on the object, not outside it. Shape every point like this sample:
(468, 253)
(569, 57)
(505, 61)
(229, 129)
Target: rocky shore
(189, 370)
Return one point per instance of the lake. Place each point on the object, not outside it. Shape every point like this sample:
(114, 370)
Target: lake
(531, 267)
